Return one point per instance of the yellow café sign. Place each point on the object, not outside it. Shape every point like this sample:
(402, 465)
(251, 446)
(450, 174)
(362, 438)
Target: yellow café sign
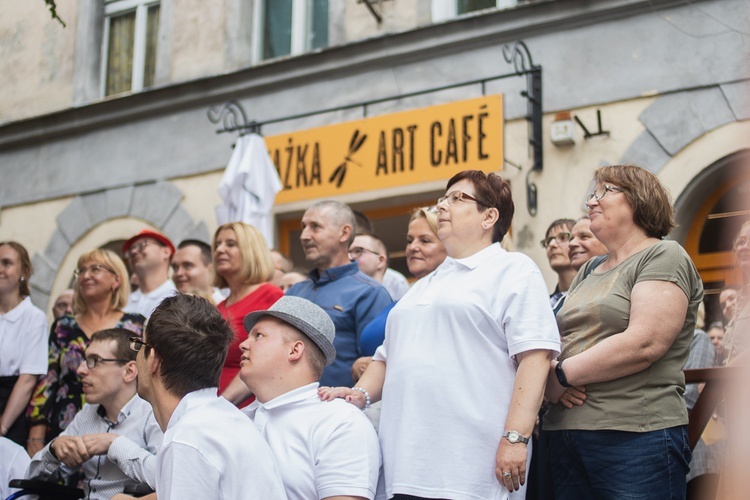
(399, 149)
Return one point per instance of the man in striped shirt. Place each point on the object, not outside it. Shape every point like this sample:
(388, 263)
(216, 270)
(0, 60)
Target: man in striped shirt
(114, 438)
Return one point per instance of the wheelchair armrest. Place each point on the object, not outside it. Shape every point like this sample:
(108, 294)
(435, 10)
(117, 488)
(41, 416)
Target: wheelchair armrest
(137, 489)
(45, 489)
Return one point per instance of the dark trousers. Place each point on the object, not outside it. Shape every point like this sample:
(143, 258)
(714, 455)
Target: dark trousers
(17, 432)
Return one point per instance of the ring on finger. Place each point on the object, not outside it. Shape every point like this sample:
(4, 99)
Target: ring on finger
(507, 474)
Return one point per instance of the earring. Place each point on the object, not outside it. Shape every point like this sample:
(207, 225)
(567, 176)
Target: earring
(23, 279)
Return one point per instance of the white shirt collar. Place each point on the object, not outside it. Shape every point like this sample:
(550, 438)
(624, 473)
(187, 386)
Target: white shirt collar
(476, 259)
(17, 312)
(293, 396)
(190, 401)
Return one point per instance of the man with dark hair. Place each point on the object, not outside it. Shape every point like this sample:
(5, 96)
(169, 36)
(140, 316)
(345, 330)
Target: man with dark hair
(329, 449)
(192, 269)
(210, 450)
(114, 438)
(148, 254)
(351, 298)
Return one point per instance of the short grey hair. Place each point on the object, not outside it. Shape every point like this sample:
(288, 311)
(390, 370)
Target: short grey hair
(340, 214)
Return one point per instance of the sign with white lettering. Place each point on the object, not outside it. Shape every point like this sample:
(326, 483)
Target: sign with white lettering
(399, 149)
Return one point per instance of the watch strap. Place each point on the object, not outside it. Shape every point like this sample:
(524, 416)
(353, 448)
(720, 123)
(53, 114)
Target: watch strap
(561, 375)
(521, 438)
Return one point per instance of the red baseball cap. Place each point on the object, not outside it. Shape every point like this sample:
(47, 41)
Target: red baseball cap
(148, 233)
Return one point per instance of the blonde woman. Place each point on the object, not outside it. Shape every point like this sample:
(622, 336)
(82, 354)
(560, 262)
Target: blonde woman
(242, 263)
(101, 292)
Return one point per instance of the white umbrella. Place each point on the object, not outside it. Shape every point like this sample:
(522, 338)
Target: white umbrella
(249, 185)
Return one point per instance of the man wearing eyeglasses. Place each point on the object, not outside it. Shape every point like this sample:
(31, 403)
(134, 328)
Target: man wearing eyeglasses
(371, 255)
(149, 254)
(555, 243)
(115, 437)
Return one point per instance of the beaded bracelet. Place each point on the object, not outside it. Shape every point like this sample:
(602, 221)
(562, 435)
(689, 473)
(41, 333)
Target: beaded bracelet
(366, 394)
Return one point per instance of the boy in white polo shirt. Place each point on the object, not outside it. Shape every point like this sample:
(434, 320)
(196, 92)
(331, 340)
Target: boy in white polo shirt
(329, 449)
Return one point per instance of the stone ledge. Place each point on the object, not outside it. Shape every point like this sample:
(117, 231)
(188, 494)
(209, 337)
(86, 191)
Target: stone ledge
(676, 120)
(73, 221)
(646, 152)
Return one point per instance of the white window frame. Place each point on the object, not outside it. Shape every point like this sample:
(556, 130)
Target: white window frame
(301, 25)
(442, 10)
(113, 8)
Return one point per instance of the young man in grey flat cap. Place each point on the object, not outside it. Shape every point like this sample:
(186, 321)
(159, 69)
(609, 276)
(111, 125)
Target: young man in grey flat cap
(329, 449)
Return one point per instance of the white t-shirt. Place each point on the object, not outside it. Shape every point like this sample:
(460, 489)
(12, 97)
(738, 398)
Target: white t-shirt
(326, 448)
(449, 347)
(218, 296)
(24, 334)
(14, 461)
(212, 451)
(145, 303)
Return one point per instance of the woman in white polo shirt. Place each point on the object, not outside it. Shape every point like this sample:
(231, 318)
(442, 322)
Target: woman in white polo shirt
(23, 341)
(465, 358)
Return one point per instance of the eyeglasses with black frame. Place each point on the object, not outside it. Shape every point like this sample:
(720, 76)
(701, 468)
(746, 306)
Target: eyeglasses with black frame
(93, 361)
(136, 343)
(356, 252)
(455, 196)
(559, 238)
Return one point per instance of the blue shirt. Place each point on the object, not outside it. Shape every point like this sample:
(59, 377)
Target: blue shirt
(352, 299)
(374, 333)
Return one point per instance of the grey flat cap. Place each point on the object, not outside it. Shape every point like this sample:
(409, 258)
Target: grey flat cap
(305, 316)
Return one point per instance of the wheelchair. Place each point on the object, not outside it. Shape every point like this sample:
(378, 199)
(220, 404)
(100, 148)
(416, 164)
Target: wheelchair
(53, 491)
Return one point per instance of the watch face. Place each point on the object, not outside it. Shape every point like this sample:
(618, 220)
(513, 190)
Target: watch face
(513, 436)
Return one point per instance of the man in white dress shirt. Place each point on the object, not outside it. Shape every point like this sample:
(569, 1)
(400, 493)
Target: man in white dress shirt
(149, 253)
(328, 449)
(210, 449)
(114, 438)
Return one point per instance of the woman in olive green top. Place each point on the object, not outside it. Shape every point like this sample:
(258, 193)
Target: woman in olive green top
(626, 332)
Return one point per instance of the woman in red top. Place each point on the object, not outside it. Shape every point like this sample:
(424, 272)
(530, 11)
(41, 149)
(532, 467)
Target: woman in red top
(242, 263)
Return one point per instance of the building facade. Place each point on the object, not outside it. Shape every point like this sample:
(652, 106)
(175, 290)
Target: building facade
(104, 126)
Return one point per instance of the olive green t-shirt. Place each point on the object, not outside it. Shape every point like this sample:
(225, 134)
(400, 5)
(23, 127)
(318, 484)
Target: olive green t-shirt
(598, 307)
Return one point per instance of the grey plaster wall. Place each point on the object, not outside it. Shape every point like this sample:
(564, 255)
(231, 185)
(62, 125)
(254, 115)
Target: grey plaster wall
(156, 203)
(675, 120)
(591, 52)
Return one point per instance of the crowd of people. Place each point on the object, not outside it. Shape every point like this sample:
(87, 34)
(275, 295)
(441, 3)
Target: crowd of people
(239, 375)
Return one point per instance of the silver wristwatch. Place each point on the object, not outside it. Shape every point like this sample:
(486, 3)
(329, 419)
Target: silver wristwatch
(515, 437)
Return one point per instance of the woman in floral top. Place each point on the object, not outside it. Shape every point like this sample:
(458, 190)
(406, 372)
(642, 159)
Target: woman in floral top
(101, 292)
